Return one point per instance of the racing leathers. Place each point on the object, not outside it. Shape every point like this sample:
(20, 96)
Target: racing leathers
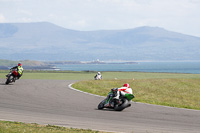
(98, 76)
(123, 91)
(19, 71)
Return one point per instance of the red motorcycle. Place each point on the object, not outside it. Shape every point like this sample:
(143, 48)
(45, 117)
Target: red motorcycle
(11, 77)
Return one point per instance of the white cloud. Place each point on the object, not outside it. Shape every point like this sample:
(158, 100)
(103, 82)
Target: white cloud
(81, 23)
(2, 18)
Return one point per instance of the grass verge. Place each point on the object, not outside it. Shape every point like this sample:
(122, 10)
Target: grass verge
(19, 127)
(89, 75)
(182, 93)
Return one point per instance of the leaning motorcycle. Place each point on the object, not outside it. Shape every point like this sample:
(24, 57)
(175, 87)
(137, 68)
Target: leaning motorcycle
(118, 104)
(11, 76)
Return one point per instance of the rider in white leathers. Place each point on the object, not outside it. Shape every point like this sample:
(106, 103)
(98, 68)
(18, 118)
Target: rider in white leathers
(98, 76)
(124, 90)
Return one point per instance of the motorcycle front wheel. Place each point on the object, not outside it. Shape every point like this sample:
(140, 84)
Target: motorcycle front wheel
(9, 79)
(101, 104)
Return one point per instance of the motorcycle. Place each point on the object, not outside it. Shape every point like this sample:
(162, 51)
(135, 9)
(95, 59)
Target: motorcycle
(11, 76)
(117, 104)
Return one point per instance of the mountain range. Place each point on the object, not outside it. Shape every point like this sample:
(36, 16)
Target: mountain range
(45, 41)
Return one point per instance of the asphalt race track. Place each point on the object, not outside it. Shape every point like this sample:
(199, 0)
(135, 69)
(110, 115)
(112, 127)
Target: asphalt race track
(53, 102)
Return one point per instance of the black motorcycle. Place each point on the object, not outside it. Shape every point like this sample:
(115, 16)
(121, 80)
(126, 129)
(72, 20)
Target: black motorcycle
(117, 104)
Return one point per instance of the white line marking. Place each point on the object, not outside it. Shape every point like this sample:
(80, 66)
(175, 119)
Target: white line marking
(70, 86)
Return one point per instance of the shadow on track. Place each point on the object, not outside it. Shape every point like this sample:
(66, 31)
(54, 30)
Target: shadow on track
(107, 109)
(5, 84)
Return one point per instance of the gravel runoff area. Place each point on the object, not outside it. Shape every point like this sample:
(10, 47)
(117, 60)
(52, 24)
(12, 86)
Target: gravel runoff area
(53, 102)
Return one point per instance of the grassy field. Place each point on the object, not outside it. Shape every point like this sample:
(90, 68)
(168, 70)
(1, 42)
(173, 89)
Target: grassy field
(19, 127)
(183, 93)
(76, 75)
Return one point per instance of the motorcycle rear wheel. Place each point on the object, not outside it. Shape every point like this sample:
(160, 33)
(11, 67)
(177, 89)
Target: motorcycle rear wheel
(122, 106)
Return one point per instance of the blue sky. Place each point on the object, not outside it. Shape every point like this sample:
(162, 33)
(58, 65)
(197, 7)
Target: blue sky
(181, 16)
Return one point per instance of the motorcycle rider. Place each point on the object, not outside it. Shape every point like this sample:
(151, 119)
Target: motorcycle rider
(98, 76)
(116, 92)
(19, 70)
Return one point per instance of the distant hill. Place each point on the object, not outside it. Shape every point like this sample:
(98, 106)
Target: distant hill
(46, 41)
(27, 64)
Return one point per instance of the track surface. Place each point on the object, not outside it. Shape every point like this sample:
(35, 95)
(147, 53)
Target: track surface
(52, 102)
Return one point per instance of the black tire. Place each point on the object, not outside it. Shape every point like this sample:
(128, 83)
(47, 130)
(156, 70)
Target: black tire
(122, 106)
(8, 80)
(101, 104)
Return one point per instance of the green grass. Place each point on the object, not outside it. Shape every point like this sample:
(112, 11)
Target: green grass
(76, 75)
(57, 75)
(19, 127)
(183, 93)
